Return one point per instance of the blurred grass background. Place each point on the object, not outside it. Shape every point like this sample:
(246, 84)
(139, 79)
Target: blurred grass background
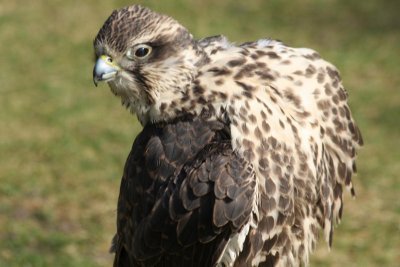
(63, 142)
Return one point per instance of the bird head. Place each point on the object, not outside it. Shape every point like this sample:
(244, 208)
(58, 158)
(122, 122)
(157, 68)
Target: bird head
(146, 58)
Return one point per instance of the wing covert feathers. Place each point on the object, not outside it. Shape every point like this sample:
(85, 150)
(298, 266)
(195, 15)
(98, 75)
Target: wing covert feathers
(184, 192)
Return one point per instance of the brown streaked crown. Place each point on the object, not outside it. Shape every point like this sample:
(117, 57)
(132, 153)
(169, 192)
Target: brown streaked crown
(134, 22)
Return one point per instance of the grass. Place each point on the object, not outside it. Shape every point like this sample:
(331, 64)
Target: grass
(63, 142)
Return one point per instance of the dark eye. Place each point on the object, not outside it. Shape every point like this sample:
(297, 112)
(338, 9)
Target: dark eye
(139, 51)
(142, 52)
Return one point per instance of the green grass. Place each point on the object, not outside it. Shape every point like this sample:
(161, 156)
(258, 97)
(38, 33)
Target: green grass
(63, 142)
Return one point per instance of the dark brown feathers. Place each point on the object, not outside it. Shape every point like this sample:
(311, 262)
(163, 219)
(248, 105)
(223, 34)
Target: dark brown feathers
(183, 193)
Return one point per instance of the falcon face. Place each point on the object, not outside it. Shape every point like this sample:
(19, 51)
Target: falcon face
(144, 57)
(245, 150)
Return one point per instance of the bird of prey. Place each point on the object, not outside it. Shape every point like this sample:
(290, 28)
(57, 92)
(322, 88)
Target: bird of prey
(245, 148)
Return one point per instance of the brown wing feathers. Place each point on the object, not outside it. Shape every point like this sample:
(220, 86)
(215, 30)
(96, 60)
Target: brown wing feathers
(183, 193)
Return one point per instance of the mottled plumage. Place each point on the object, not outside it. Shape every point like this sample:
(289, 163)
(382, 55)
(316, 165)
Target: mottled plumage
(245, 149)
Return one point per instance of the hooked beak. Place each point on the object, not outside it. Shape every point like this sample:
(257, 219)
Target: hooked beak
(104, 69)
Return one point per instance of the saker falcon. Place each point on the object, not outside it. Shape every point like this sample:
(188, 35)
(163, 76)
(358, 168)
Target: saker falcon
(245, 149)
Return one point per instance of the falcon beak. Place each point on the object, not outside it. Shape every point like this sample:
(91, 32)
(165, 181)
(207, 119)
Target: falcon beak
(104, 69)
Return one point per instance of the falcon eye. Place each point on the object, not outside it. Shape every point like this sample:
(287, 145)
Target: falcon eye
(140, 51)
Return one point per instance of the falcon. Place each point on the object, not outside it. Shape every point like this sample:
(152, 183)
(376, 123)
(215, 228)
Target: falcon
(245, 150)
